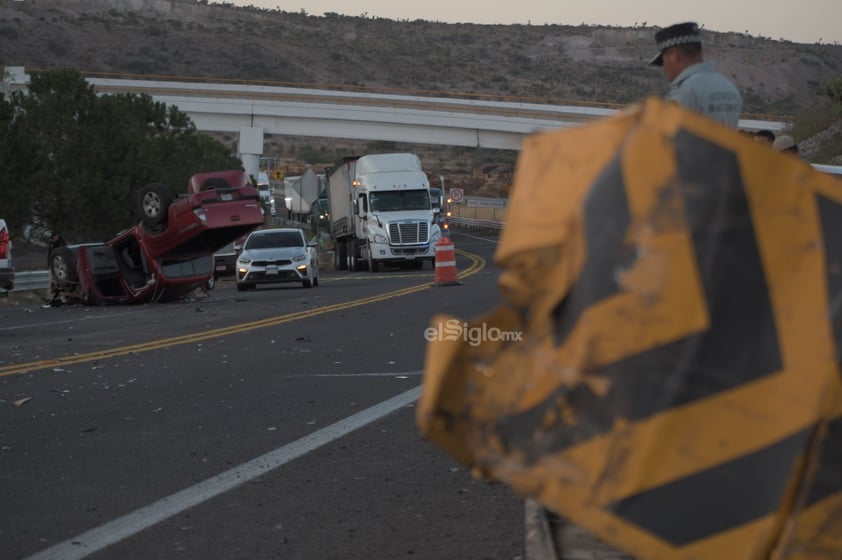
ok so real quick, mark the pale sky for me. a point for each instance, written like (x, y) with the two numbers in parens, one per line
(801, 21)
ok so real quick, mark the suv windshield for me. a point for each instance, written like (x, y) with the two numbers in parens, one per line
(269, 239)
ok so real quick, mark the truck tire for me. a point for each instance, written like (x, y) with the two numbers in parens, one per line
(340, 256)
(63, 267)
(373, 265)
(153, 203)
(351, 254)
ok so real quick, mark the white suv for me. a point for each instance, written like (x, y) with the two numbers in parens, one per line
(272, 256)
(7, 271)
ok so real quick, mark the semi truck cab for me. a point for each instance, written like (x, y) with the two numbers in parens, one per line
(393, 217)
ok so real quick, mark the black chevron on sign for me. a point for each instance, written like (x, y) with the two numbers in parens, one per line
(692, 508)
(606, 223)
(830, 215)
(740, 346)
(742, 343)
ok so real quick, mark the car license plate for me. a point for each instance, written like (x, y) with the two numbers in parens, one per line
(271, 271)
(226, 196)
(220, 267)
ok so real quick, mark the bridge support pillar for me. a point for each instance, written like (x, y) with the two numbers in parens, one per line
(251, 148)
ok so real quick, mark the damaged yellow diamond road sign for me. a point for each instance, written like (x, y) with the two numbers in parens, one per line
(675, 388)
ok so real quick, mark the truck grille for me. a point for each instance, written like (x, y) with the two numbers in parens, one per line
(404, 233)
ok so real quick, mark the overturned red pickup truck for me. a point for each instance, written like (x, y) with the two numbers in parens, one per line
(170, 252)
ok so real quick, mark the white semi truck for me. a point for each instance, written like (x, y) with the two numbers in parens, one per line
(380, 212)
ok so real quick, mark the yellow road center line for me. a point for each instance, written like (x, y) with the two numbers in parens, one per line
(477, 264)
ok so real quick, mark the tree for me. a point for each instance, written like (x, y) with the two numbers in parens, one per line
(16, 192)
(87, 156)
(50, 118)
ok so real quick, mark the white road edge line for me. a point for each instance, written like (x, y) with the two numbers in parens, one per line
(130, 524)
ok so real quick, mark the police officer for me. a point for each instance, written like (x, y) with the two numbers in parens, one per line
(56, 240)
(694, 83)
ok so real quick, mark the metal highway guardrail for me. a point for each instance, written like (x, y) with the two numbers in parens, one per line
(31, 281)
(474, 224)
(35, 280)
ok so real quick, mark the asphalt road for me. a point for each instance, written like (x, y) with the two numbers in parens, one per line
(276, 423)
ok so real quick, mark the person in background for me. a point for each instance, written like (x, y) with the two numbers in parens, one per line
(693, 82)
(764, 137)
(786, 143)
(56, 240)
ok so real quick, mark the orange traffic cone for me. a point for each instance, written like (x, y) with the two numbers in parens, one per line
(446, 274)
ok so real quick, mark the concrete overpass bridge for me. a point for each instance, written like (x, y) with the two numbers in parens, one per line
(253, 110)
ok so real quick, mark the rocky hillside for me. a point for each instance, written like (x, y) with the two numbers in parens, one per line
(557, 62)
(538, 63)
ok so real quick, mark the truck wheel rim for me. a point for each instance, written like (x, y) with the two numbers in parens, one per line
(151, 204)
(60, 268)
